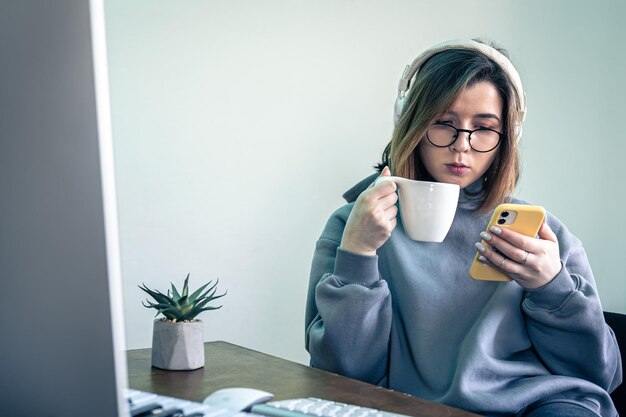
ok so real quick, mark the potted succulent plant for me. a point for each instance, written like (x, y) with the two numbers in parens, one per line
(178, 337)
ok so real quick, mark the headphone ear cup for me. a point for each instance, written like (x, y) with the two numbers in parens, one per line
(398, 109)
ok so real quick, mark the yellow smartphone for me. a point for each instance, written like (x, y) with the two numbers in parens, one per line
(518, 217)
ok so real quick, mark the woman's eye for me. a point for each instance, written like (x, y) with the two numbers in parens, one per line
(445, 122)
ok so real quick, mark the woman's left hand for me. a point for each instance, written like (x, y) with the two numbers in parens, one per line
(531, 262)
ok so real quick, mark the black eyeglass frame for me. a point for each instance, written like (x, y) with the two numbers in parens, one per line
(469, 137)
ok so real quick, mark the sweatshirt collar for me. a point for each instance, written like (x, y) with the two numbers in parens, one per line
(472, 196)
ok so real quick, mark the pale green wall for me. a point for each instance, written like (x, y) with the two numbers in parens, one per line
(238, 125)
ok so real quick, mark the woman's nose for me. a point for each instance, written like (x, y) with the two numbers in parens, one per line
(461, 144)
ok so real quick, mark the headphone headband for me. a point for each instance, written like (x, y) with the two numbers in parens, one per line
(411, 70)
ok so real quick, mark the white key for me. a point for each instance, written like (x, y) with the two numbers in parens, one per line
(143, 400)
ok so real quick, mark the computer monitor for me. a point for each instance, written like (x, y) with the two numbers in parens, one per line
(61, 324)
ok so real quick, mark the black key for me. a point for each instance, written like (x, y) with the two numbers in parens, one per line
(146, 410)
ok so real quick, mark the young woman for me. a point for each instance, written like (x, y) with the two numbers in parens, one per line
(406, 315)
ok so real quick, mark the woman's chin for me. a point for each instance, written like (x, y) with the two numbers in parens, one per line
(461, 181)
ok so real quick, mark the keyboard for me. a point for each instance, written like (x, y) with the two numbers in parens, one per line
(145, 404)
(314, 407)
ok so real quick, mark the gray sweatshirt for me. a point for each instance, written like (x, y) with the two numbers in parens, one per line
(411, 319)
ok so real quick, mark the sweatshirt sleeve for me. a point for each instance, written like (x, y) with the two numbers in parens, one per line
(566, 324)
(348, 317)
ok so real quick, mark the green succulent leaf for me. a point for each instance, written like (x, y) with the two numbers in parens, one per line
(175, 294)
(197, 311)
(158, 296)
(207, 300)
(169, 315)
(172, 313)
(196, 293)
(183, 301)
(159, 306)
(186, 286)
(212, 290)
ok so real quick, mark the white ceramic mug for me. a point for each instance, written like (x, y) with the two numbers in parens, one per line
(427, 208)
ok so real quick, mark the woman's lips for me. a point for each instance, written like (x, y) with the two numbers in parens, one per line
(457, 169)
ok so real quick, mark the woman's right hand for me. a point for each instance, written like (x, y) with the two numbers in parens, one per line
(372, 219)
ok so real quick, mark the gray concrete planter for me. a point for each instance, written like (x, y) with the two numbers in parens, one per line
(177, 346)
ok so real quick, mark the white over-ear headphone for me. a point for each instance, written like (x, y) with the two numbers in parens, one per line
(488, 51)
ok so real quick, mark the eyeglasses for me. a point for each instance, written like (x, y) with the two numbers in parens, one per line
(482, 139)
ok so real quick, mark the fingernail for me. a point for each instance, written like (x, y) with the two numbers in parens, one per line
(479, 247)
(482, 259)
(495, 229)
(485, 236)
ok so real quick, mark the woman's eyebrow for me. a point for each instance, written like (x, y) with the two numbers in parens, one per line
(449, 114)
(487, 116)
(476, 116)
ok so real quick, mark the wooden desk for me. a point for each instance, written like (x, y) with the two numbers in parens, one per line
(228, 365)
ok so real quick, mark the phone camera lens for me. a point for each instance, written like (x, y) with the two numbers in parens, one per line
(504, 214)
(501, 221)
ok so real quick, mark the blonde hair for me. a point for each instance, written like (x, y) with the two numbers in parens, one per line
(434, 90)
